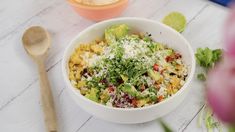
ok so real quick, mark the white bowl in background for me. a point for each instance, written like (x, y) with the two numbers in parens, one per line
(160, 33)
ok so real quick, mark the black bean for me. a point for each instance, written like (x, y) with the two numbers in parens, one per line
(84, 71)
(146, 74)
(172, 74)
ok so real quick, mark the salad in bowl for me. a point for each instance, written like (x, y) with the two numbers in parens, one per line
(128, 70)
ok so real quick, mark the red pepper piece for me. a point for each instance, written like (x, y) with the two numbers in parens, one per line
(134, 102)
(155, 67)
(110, 89)
(169, 58)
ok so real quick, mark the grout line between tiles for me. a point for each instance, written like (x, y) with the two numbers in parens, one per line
(27, 20)
(18, 95)
(199, 12)
(193, 118)
(83, 124)
(28, 87)
(151, 15)
(60, 93)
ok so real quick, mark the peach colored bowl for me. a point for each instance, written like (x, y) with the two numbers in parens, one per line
(99, 12)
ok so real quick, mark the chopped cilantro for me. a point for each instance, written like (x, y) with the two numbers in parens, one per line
(201, 76)
(207, 58)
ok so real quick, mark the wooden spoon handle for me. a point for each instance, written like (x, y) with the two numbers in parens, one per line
(47, 99)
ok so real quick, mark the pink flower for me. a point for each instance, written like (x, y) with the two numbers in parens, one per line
(221, 80)
(221, 90)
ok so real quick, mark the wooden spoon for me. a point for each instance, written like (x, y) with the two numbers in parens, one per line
(36, 41)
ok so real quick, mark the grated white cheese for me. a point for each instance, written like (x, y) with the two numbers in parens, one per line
(90, 60)
(133, 48)
(149, 81)
(162, 91)
(101, 73)
(107, 52)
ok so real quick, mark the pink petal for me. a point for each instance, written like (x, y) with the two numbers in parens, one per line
(221, 91)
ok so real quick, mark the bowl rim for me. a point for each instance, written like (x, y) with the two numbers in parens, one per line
(77, 93)
(97, 7)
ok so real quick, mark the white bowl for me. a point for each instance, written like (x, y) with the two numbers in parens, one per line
(160, 33)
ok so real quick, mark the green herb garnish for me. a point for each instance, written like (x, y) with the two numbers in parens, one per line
(201, 76)
(165, 127)
(207, 58)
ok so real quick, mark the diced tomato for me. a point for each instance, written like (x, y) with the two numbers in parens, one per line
(111, 88)
(169, 58)
(134, 102)
(155, 67)
(160, 98)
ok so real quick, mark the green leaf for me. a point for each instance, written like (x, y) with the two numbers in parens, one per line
(211, 122)
(231, 129)
(201, 77)
(165, 127)
(217, 54)
(207, 58)
(92, 95)
(127, 88)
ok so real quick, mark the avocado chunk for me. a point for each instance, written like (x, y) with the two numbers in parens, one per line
(81, 84)
(155, 46)
(129, 89)
(124, 78)
(159, 46)
(104, 97)
(142, 102)
(154, 75)
(116, 32)
(92, 94)
(169, 52)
